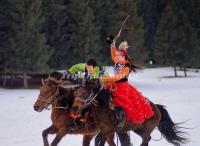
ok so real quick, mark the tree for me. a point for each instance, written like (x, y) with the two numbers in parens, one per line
(6, 32)
(109, 17)
(28, 43)
(132, 31)
(104, 12)
(75, 36)
(174, 38)
(151, 12)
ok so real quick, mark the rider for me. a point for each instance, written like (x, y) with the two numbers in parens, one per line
(125, 96)
(91, 70)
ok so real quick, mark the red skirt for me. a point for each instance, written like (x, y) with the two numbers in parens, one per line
(136, 106)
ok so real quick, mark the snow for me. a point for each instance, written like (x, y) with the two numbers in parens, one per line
(20, 125)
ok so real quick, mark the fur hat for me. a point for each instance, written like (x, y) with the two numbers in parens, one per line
(123, 45)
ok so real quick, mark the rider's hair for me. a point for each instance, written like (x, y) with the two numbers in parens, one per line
(92, 62)
(133, 67)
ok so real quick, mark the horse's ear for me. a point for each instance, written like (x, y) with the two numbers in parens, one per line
(43, 82)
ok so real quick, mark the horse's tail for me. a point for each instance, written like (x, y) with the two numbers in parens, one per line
(171, 131)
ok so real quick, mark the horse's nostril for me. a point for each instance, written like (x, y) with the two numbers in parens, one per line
(36, 108)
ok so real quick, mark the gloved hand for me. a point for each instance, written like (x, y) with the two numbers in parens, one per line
(110, 39)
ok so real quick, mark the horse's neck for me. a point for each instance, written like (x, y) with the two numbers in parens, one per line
(58, 111)
(60, 107)
(96, 110)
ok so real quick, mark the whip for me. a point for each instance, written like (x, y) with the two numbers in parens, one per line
(110, 39)
(122, 26)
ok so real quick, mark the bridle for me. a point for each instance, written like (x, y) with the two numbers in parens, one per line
(89, 100)
(48, 100)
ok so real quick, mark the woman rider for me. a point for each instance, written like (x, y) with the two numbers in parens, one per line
(136, 106)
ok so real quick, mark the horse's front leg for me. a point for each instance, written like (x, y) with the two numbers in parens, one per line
(87, 139)
(51, 130)
(60, 134)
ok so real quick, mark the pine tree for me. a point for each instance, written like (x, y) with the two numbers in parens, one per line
(174, 38)
(78, 37)
(6, 32)
(151, 12)
(28, 43)
(104, 12)
(133, 31)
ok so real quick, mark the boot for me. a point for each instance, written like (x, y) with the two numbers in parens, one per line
(74, 124)
(119, 112)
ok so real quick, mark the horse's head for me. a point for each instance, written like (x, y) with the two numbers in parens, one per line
(48, 92)
(90, 93)
(85, 92)
(82, 96)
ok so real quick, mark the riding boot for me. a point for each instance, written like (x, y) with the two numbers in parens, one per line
(120, 115)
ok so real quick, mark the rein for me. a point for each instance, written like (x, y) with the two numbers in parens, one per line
(89, 100)
(48, 100)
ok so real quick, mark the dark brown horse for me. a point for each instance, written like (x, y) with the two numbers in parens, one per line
(52, 94)
(105, 118)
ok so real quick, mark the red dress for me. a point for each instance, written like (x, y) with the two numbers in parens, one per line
(136, 106)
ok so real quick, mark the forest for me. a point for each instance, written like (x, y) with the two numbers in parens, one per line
(39, 36)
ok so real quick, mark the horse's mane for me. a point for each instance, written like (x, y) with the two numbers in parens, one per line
(66, 97)
(104, 97)
(66, 91)
(56, 75)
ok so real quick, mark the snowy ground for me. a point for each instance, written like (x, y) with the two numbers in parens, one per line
(20, 125)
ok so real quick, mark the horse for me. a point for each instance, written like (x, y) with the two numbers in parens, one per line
(52, 93)
(88, 96)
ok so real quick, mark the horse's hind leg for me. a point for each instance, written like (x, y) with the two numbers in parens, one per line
(50, 130)
(149, 126)
(110, 139)
(60, 134)
(87, 139)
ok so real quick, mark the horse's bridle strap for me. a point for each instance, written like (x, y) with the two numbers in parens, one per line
(49, 99)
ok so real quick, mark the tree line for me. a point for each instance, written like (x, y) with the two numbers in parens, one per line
(38, 36)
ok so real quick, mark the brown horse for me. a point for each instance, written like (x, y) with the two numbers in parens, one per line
(105, 118)
(52, 94)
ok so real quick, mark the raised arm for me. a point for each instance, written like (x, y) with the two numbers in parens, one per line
(114, 52)
(124, 72)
